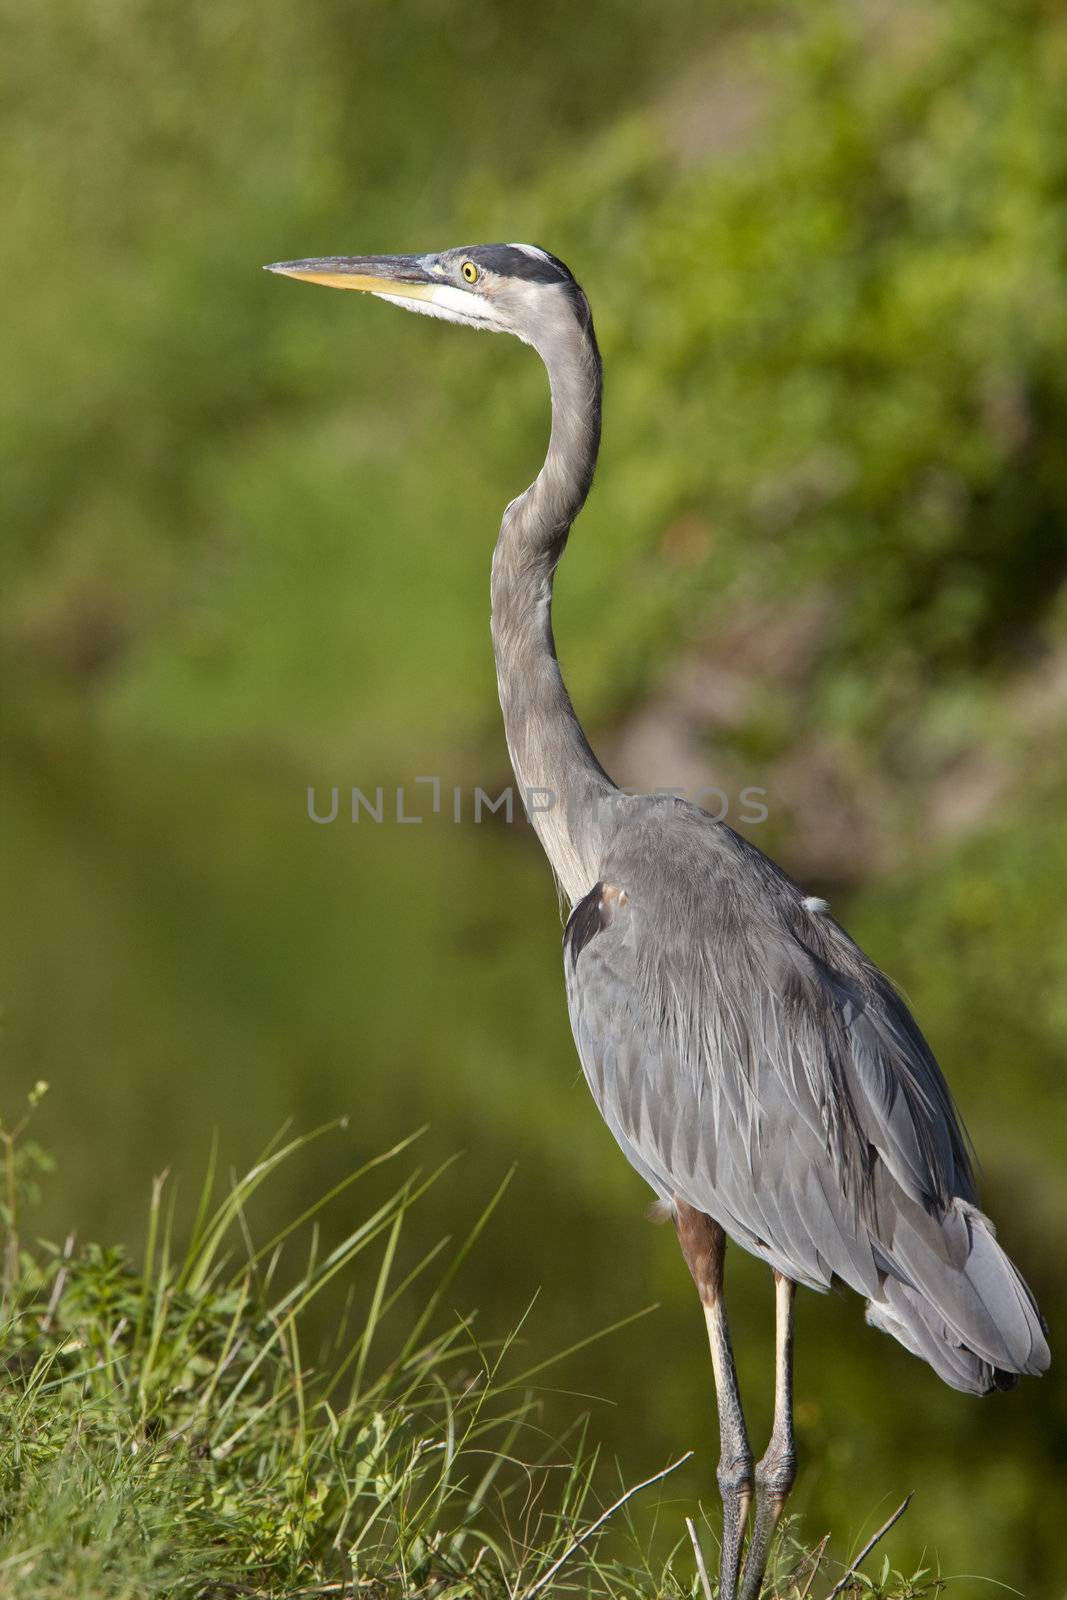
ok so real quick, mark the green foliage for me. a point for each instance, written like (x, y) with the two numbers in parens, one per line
(842, 347)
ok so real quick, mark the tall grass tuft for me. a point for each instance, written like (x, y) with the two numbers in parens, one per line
(165, 1434)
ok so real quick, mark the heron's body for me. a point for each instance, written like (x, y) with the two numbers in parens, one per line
(784, 1089)
(753, 1064)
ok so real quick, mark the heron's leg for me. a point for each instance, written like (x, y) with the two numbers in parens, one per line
(777, 1470)
(704, 1247)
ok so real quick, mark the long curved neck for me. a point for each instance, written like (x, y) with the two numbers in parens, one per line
(563, 785)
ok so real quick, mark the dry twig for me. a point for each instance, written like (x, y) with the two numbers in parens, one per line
(869, 1546)
(818, 1553)
(698, 1552)
(547, 1577)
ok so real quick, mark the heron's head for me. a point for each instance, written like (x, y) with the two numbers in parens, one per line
(506, 288)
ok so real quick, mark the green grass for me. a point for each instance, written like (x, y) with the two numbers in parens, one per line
(166, 1433)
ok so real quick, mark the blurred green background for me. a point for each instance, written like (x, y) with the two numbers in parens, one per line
(247, 530)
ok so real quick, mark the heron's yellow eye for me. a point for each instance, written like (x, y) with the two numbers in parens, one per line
(470, 271)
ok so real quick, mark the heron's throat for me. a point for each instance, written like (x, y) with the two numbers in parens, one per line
(564, 788)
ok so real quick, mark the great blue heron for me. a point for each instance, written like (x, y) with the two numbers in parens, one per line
(753, 1064)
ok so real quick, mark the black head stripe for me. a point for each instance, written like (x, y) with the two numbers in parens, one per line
(511, 262)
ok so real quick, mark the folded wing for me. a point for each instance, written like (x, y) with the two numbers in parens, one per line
(749, 1059)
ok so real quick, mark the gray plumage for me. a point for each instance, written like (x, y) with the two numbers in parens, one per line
(756, 1068)
(749, 1058)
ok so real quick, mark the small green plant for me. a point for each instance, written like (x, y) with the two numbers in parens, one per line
(21, 1161)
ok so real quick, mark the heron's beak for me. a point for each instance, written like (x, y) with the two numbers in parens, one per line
(399, 276)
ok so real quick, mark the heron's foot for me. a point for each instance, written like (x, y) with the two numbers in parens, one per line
(735, 1490)
(775, 1476)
